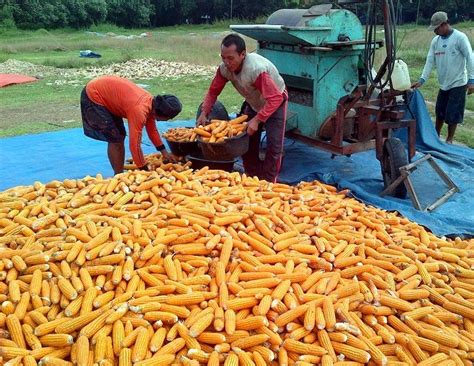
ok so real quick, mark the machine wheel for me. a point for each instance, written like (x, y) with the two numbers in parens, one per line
(394, 157)
(218, 111)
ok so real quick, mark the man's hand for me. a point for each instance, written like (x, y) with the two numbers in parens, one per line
(169, 157)
(252, 127)
(144, 167)
(470, 89)
(202, 120)
(416, 85)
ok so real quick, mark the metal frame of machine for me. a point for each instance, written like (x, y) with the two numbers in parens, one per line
(368, 135)
(405, 179)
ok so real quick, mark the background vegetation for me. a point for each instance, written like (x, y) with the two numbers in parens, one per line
(48, 105)
(34, 14)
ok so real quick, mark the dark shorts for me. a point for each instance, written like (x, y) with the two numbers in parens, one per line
(450, 105)
(99, 123)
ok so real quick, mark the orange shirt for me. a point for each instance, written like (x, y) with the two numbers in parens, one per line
(127, 100)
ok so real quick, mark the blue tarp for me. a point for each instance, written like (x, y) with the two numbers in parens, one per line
(69, 154)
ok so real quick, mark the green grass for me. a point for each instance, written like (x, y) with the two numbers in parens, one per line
(39, 107)
(44, 106)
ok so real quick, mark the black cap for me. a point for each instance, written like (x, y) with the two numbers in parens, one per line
(166, 106)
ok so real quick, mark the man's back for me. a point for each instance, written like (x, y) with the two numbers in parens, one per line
(120, 96)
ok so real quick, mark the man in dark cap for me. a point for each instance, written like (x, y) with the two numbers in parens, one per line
(108, 99)
(451, 53)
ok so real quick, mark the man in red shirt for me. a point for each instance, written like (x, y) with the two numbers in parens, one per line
(108, 99)
(259, 82)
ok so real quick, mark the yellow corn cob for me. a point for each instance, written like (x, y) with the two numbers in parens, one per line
(67, 289)
(91, 328)
(172, 347)
(291, 315)
(440, 337)
(45, 221)
(213, 359)
(68, 326)
(183, 332)
(12, 352)
(211, 338)
(396, 303)
(22, 305)
(351, 353)
(157, 340)
(201, 325)
(303, 348)
(141, 345)
(56, 340)
(185, 299)
(374, 352)
(219, 319)
(250, 341)
(131, 337)
(329, 313)
(252, 322)
(231, 360)
(14, 327)
(82, 351)
(230, 321)
(32, 341)
(100, 347)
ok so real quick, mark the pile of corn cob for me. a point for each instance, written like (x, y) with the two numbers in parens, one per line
(218, 131)
(186, 267)
(215, 132)
(147, 69)
(181, 134)
(156, 160)
(143, 69)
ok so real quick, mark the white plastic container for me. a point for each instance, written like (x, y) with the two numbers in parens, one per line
(400, 76)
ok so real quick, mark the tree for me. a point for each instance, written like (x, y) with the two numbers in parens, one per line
(97, 11)
(129, 13)
(165, 12)
(29, 14)
(6, 14)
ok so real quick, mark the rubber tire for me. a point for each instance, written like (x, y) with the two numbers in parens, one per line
(218, 111)
(394, 157)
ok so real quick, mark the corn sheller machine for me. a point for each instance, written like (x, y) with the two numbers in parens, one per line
(337, 101)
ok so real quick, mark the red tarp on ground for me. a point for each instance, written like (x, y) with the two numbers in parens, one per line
(10, 79)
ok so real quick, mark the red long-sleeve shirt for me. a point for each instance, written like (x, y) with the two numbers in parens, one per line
(127, 100)
(256, 77)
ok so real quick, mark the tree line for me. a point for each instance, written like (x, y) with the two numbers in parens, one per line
(50, 14)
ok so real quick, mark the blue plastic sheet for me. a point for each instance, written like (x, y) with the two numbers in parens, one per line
(69, 154)
(361, 174)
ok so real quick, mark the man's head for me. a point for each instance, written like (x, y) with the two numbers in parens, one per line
(439, 23)
(166, 107)
(233, 52)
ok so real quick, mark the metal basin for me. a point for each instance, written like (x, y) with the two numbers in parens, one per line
(230, 149)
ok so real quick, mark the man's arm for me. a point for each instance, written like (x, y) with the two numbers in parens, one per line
(270, 92)
(153, 134)
(155, 138)
(135, 131)
(273, 99)
(217, 85)
(430, 61)
(466, 50)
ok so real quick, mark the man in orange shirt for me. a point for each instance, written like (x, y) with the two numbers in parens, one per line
(108, 99)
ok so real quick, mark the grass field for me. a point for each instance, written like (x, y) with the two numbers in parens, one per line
(49, 104)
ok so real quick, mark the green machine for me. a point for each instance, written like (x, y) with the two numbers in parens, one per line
(318, 53)
(337, 102)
